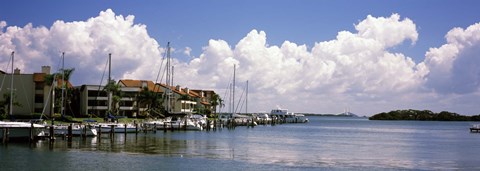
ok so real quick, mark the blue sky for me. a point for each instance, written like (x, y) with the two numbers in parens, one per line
(193, 23)
(339, 67)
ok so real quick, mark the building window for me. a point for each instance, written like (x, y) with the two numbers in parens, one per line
(39, 86)
(38, 98)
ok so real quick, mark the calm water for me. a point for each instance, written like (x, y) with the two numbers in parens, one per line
(326, 143)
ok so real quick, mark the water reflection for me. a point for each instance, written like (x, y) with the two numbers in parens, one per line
(343, 144)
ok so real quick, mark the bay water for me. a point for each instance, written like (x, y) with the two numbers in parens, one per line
(325, 143)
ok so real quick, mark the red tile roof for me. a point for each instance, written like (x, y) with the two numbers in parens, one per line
(139, 84)
(39, 77)
(60, 82)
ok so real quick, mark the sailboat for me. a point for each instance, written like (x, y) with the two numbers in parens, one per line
(77, 130)
(18, 130)
(187, 122)
(117, 127)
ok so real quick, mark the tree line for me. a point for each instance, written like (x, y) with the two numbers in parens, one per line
(423, 115)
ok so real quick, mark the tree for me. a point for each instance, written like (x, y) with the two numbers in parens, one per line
(5, 104)
(62, 78)
(151, 100)
(216, 101)
(114, 88)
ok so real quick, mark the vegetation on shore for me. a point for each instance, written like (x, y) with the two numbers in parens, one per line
(423, 115)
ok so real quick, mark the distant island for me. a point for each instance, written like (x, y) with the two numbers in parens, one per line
(423, 115)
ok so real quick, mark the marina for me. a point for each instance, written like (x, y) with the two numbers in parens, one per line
(30, 131)
(239, 85)
(325, 143)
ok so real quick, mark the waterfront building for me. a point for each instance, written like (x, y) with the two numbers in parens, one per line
(30, 91)
(33, 93)
(132, 90)
(94, 98)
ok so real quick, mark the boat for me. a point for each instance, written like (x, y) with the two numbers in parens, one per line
(154, 124)
(77, 130)
(475, 128)
(21, 130)
(117, 128)
(181, 123)
(263, 117)
(288, 116)
(18, 130)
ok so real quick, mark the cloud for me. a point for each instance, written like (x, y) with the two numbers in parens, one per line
(355, 70)
(388, 31)
(455, 66)
(187, 51)
(86, 45)
(352, 67)
(3, 24)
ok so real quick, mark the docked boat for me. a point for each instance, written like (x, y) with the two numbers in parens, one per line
(156, 124)
(77, 130)
(288, 116)
(118, 128)
(21, 130)
(16, 130)
(187, 122)
(184, 123)
(244, 120)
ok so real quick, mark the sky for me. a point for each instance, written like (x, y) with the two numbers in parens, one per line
(306, 56)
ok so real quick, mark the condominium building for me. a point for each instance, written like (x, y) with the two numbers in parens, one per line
(34, 95)
(31, 92)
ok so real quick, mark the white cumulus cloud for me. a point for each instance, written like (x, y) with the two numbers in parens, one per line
(355, 70)
(354, 65)
(86, 45)
(455, 66)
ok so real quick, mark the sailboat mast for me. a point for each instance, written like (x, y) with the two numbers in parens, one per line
(246, 100)
(230, 98)
(167, 81)
(63, 84)
(233, 89)
(11, 87)
(109, 82)
(173, 69)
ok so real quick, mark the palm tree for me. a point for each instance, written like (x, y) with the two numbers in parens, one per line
(151, 100)
(50, 79)
(114, 88)
(215, 101)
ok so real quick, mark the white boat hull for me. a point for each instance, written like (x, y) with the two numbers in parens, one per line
(118, 128)
(77, 130)
(18, 130)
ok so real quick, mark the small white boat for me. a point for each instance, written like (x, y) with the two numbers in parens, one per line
(190, 122)
(264, 117)
(156, 124)
(77, 130)
(21, 129)
(118, 128)
(288, 116)
(300, 118)
(184, 123)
